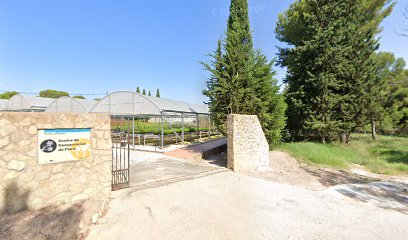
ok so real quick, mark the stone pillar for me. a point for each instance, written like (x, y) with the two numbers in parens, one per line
(248, 149)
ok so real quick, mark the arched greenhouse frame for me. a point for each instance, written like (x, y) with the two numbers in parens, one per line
(173, 115)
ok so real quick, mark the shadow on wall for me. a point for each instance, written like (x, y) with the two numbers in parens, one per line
(17, 221)
(15, 199)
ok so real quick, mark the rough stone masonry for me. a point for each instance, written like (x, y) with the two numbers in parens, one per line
(26, 184)
(248, 149)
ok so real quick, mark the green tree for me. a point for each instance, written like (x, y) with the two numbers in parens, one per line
(328, 57)
(53, 94)
(8, 95)
(138, 90)
(241, 79)
(149, 94)
(158, 93)
(399, 109)
(394, 92)
(144, 92)
(217, 89)
(79, 97)
(266, 101)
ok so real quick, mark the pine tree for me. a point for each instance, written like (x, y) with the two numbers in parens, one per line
(53, 94)
(361, 80)
(388, 99)
(7, 95)
(329, 63)
(144, 92)
(266, 101)
(158, 93)
(241, 79)
(149, 94)
(138, 90)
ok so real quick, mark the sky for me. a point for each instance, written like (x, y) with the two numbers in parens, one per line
(95, 46)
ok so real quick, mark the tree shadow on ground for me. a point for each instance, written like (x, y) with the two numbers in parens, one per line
(393, 156)
(392, 151)
(387, 195)
(18, 222)
(330, 178)
(384, 194)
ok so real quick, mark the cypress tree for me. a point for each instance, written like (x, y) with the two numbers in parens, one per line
(138, 90)
(158, 93)
(149, 94)
(144, 92)
(241, 79)
(238, 57)
(217, 89)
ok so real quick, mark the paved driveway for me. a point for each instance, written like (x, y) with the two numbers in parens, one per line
(232, 206)
(162, 169)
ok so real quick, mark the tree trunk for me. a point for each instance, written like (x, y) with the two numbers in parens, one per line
(323, 139)
(373, 133)
(343, 138)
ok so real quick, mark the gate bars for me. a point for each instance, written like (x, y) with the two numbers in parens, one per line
(120, 155)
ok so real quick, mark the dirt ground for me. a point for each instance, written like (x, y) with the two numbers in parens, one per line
(388, 192)
(47, 223)
(286, 169)
(65, 222)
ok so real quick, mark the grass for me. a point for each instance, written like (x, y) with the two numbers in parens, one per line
(387, 155)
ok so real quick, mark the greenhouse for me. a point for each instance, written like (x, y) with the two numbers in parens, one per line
(24, 103)
(155, 118)
(3, 104)
(132, 103)
(148, 119)
(71, 105)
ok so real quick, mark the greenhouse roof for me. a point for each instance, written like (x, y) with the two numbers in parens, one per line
(73, 105)
(132, 103)
(20, 102)
(3, 104)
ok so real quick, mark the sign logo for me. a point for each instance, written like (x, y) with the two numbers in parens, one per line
(82, 149)
(48, 146)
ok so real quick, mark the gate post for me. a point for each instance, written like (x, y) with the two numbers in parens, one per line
(162, 130)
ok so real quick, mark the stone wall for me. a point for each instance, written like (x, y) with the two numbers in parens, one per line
(248, 149)
(26, 184)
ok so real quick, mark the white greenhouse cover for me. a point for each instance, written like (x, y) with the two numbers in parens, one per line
(72, 105)
(132, 103)
(20, 102)
(3, 104)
